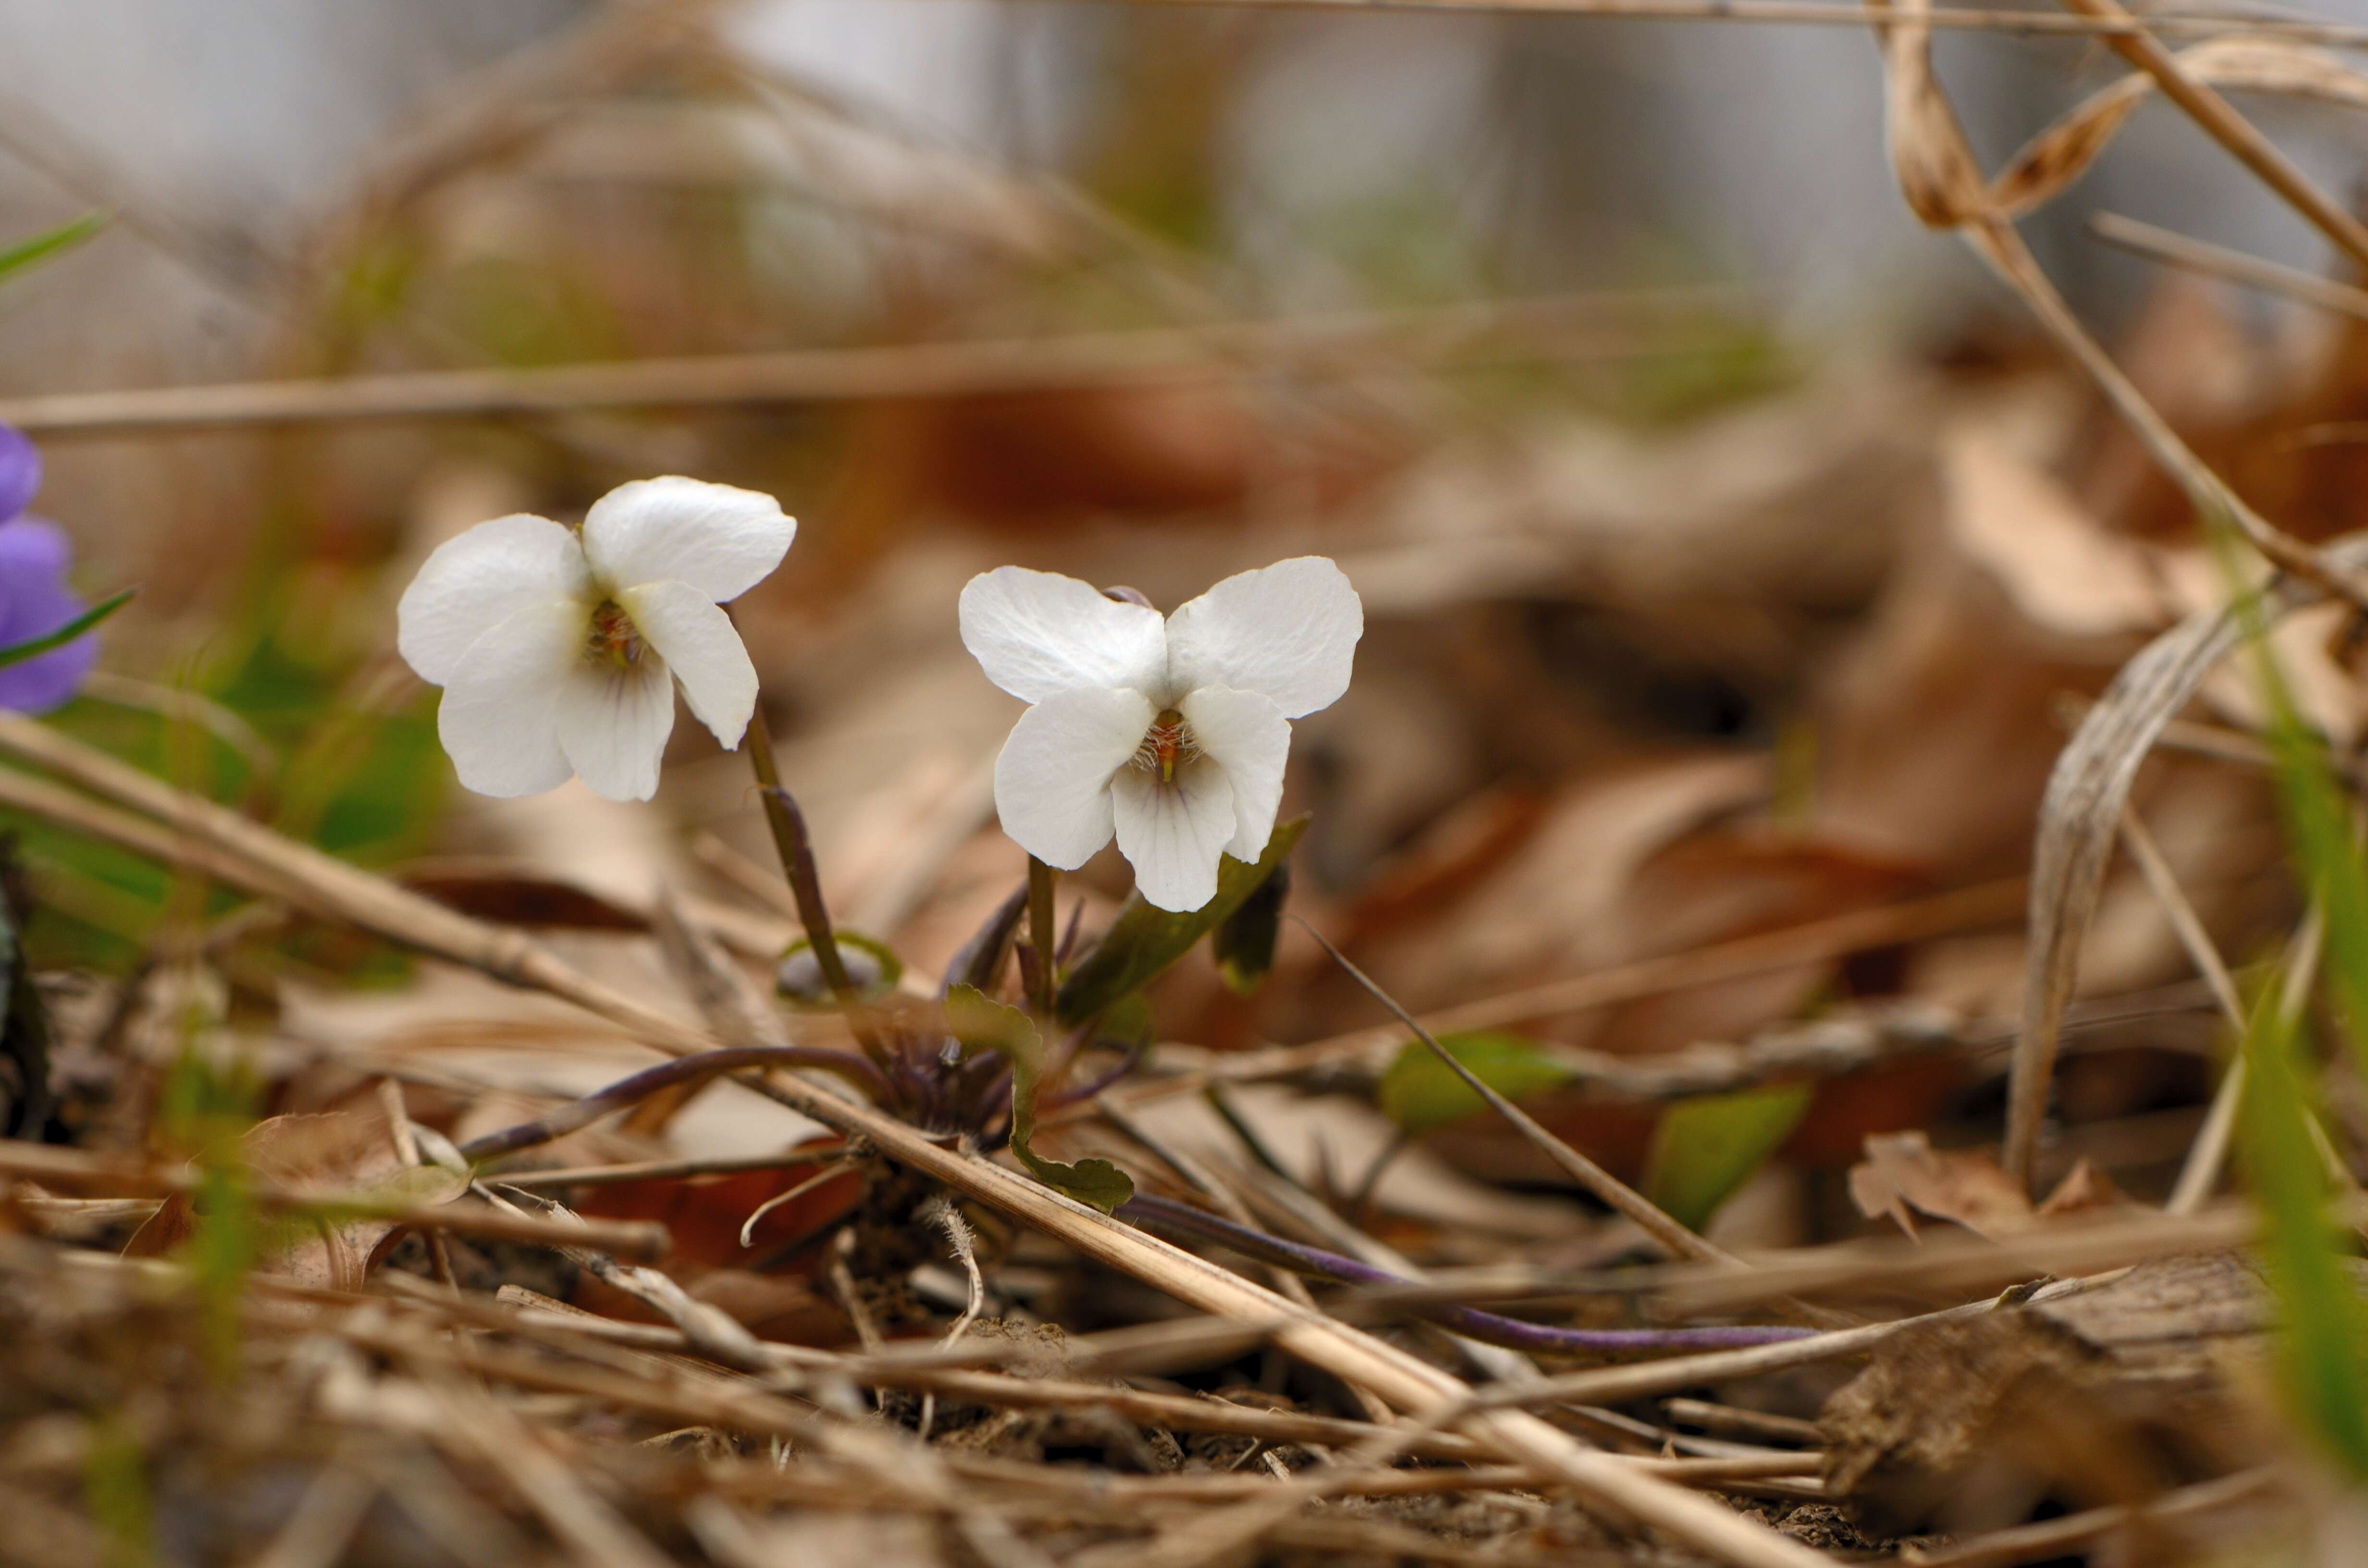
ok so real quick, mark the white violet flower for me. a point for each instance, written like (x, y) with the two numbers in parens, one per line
(1168, 732)
(558, 650)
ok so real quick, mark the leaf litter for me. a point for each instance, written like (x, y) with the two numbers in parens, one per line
(263, 1301)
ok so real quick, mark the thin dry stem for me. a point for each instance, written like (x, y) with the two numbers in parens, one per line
(1647, 1216)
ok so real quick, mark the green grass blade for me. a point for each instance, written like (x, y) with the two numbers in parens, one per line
(2322, 1359)
(41, 246)
(34, 647)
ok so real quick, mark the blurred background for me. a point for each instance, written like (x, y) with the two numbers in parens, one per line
(1733, 554)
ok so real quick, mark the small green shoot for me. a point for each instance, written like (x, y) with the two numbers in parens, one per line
(1420, 1092)
(1705, 1147)
(982, 1023)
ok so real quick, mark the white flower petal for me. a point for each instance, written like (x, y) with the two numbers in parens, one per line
(701, 647)
(1247, 736)
(1173, 833)
(476, 580)
(613, 723)
(499, 717)
(720, 540)
(1038, 632)
(1288, 630)
(1052, 783)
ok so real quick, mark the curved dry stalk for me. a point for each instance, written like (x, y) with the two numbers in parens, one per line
(2231, 130)
(2079, 815)
(2235, 266)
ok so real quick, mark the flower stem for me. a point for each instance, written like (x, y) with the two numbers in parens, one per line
(1040, 936)
(795, 848)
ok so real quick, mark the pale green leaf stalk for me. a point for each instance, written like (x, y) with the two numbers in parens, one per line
(982, 1023)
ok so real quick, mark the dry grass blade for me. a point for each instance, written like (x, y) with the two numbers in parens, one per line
(2231, 130)
(1813, 14)
(2091, 781)
(2078, 819)
(1955, 1266)
(1316, 345)
(1350, 1353)
(1623, 1198)
(2218, 261)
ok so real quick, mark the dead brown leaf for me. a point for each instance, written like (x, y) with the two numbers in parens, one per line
(346, 1155)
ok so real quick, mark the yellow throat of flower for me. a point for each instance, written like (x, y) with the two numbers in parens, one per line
(1166, 744)
(613, 636)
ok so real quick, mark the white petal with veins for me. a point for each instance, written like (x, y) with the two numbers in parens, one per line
(498, 719)
(1288, 632)
(720, 540)
(613, 723)
(1172, 833)
(699, 643)
(475, 580)
(1036, 634)
(1247, 737)
(1052, 780)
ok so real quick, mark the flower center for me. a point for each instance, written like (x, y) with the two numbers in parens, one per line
(612, 635)
(1168, 742)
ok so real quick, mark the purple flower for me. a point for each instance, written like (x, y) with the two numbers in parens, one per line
(34, 598)
(20, 471)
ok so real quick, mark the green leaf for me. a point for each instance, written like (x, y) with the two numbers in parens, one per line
(1705, 1147)
(1143, 941)
(1420, 1092)
(34, 647)
(41, 246)
(2322, 1356)
(2317, 814)
(1243, 943)
(981, 1022)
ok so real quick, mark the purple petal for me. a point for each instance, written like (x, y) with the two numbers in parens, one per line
(34, 599)
(20, 471)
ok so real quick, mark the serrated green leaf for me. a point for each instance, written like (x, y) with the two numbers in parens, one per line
(979, 1021)
(1704, 1148)
(1420, 1092)
(41, 246)
(1243, 944)
(34, 647)
(1143, 941)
